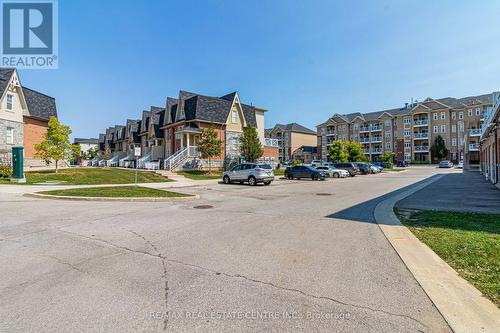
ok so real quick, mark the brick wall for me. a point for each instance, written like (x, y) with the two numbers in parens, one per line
(34, 132)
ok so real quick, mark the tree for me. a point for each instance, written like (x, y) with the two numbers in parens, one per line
(76, 152)
(56, 145)
(209, 146)
(387, 157)
(355, 152)
(337, 152)
(251, 148)
(438, 149)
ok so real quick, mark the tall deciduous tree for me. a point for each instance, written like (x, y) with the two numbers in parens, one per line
(337, 152)
(251, 148)
(209, 145)
(438, 149)
(56, 145)
(355, 152)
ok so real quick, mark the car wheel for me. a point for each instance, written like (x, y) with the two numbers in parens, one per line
(314, 177)
(336, 175)
(252, 181)
(267, 183)
(226, 180)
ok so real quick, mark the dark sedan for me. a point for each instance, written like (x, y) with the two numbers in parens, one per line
(303, 171)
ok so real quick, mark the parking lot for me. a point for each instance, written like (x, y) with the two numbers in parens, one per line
(295, 255)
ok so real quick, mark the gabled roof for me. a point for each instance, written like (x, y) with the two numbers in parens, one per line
(5, 75)
(475, 100)
(451, 102)
(156, 120)
(308, 149)
(119, 133)
(39, 105)
(133, 128)
(145, 121)
(170, 107)
(294, 127)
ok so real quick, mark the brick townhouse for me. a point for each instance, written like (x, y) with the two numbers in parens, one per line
(490, 142)
(24, 116)
(409, 131)
(293, 140)
(168, 135)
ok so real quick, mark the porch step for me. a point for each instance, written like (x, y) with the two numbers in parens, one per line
(171, 175)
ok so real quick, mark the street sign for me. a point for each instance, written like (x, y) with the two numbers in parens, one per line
(137, 151)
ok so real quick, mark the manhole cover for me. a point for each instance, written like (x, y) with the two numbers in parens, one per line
(325, 194)
(203, 207)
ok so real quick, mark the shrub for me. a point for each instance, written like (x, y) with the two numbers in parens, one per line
(5, 171)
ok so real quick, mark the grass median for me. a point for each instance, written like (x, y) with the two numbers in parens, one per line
(116, 192)
(468, 242)
(201, 175)
(91, 176)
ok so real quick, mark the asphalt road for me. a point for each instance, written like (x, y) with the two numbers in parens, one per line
(293, 256)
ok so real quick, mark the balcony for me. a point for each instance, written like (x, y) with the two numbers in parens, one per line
(330, 132)
(271, 142)
(474, 147)
(474, 132)
(367, 151)
(364, 140)
(364, 129)
(421, 135)
(376, 139)
(421, 122)
(376, 128)
(421, 149)
(377, 150)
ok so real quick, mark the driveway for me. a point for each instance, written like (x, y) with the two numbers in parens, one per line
(293, 256)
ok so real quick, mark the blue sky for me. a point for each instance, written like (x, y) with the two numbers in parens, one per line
(302, 60)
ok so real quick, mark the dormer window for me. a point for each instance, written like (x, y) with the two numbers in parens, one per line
(10, 99)
(234, 117)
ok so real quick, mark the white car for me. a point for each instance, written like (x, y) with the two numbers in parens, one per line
(333, 172)
(460, 165)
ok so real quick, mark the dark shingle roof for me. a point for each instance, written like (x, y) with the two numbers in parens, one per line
(451, 102)
(5, 74)
(133, 128)
(294, 127)
(474, 100)
(40, 105)
(145, 121)
(169, 110)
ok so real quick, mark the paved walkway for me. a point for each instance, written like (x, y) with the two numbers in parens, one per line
(467, 191)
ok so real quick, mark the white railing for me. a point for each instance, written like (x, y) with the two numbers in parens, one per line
(376, 128)
(376, 139)
(176, 159)
(328, 133)
(474, 132)
(113, 161)
(271, 142)
(473, 147)
(420, 122)
(152, 165)
(422, 148)
(422, 135)
(141, 163)
(364, 129)
(376, 150)
(123, 161)
(364, 140)
(367, 151)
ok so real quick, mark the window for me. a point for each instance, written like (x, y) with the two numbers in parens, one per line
(343, 137)
(344, 127)
(9, 136)
(462, 141)
(388, 145)
(9, 102)
(356, 126)
(387, 134)
(443, 115)
(435, 129)
(478, 111)
(453, 128)
(355, 138)
(407, 157)
(406, 120)
(234, 116)
(435, 116)
(443, 128)
(469, 113)
(407, 132)
(461, 126)
(407, 144)
(460, 115)
(453, 115)
(387, 122)
(454, 142)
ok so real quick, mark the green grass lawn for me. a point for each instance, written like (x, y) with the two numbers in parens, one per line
(201, 175)
(279, 172)
(468, 242)
(91, 176)
(116, 192)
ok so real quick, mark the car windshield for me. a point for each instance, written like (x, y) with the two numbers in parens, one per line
(265, 166)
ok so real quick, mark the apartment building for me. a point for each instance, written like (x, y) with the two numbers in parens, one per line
(168, 135)
(289, 138)
(24, 117)
(490, 142)
(410, 131)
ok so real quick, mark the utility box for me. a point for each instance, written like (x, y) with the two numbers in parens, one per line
(17, 165)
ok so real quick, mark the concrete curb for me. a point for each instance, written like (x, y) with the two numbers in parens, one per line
(462, 305)
(136, 199)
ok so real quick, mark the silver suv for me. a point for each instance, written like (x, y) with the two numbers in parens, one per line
(252, 173)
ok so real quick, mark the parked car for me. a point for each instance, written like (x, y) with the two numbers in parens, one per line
(375, 168)
(401, 164)
(364, 168)
(333, 172)
(252, 173)
(317, 163)
(349, 167)
(460, 165)
(304, 171)
(379, 164)
(445, 164)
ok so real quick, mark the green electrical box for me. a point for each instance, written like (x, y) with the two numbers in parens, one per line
(17, 165)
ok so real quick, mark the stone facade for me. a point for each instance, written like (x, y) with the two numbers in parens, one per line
(6, 148)
(232, 147)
